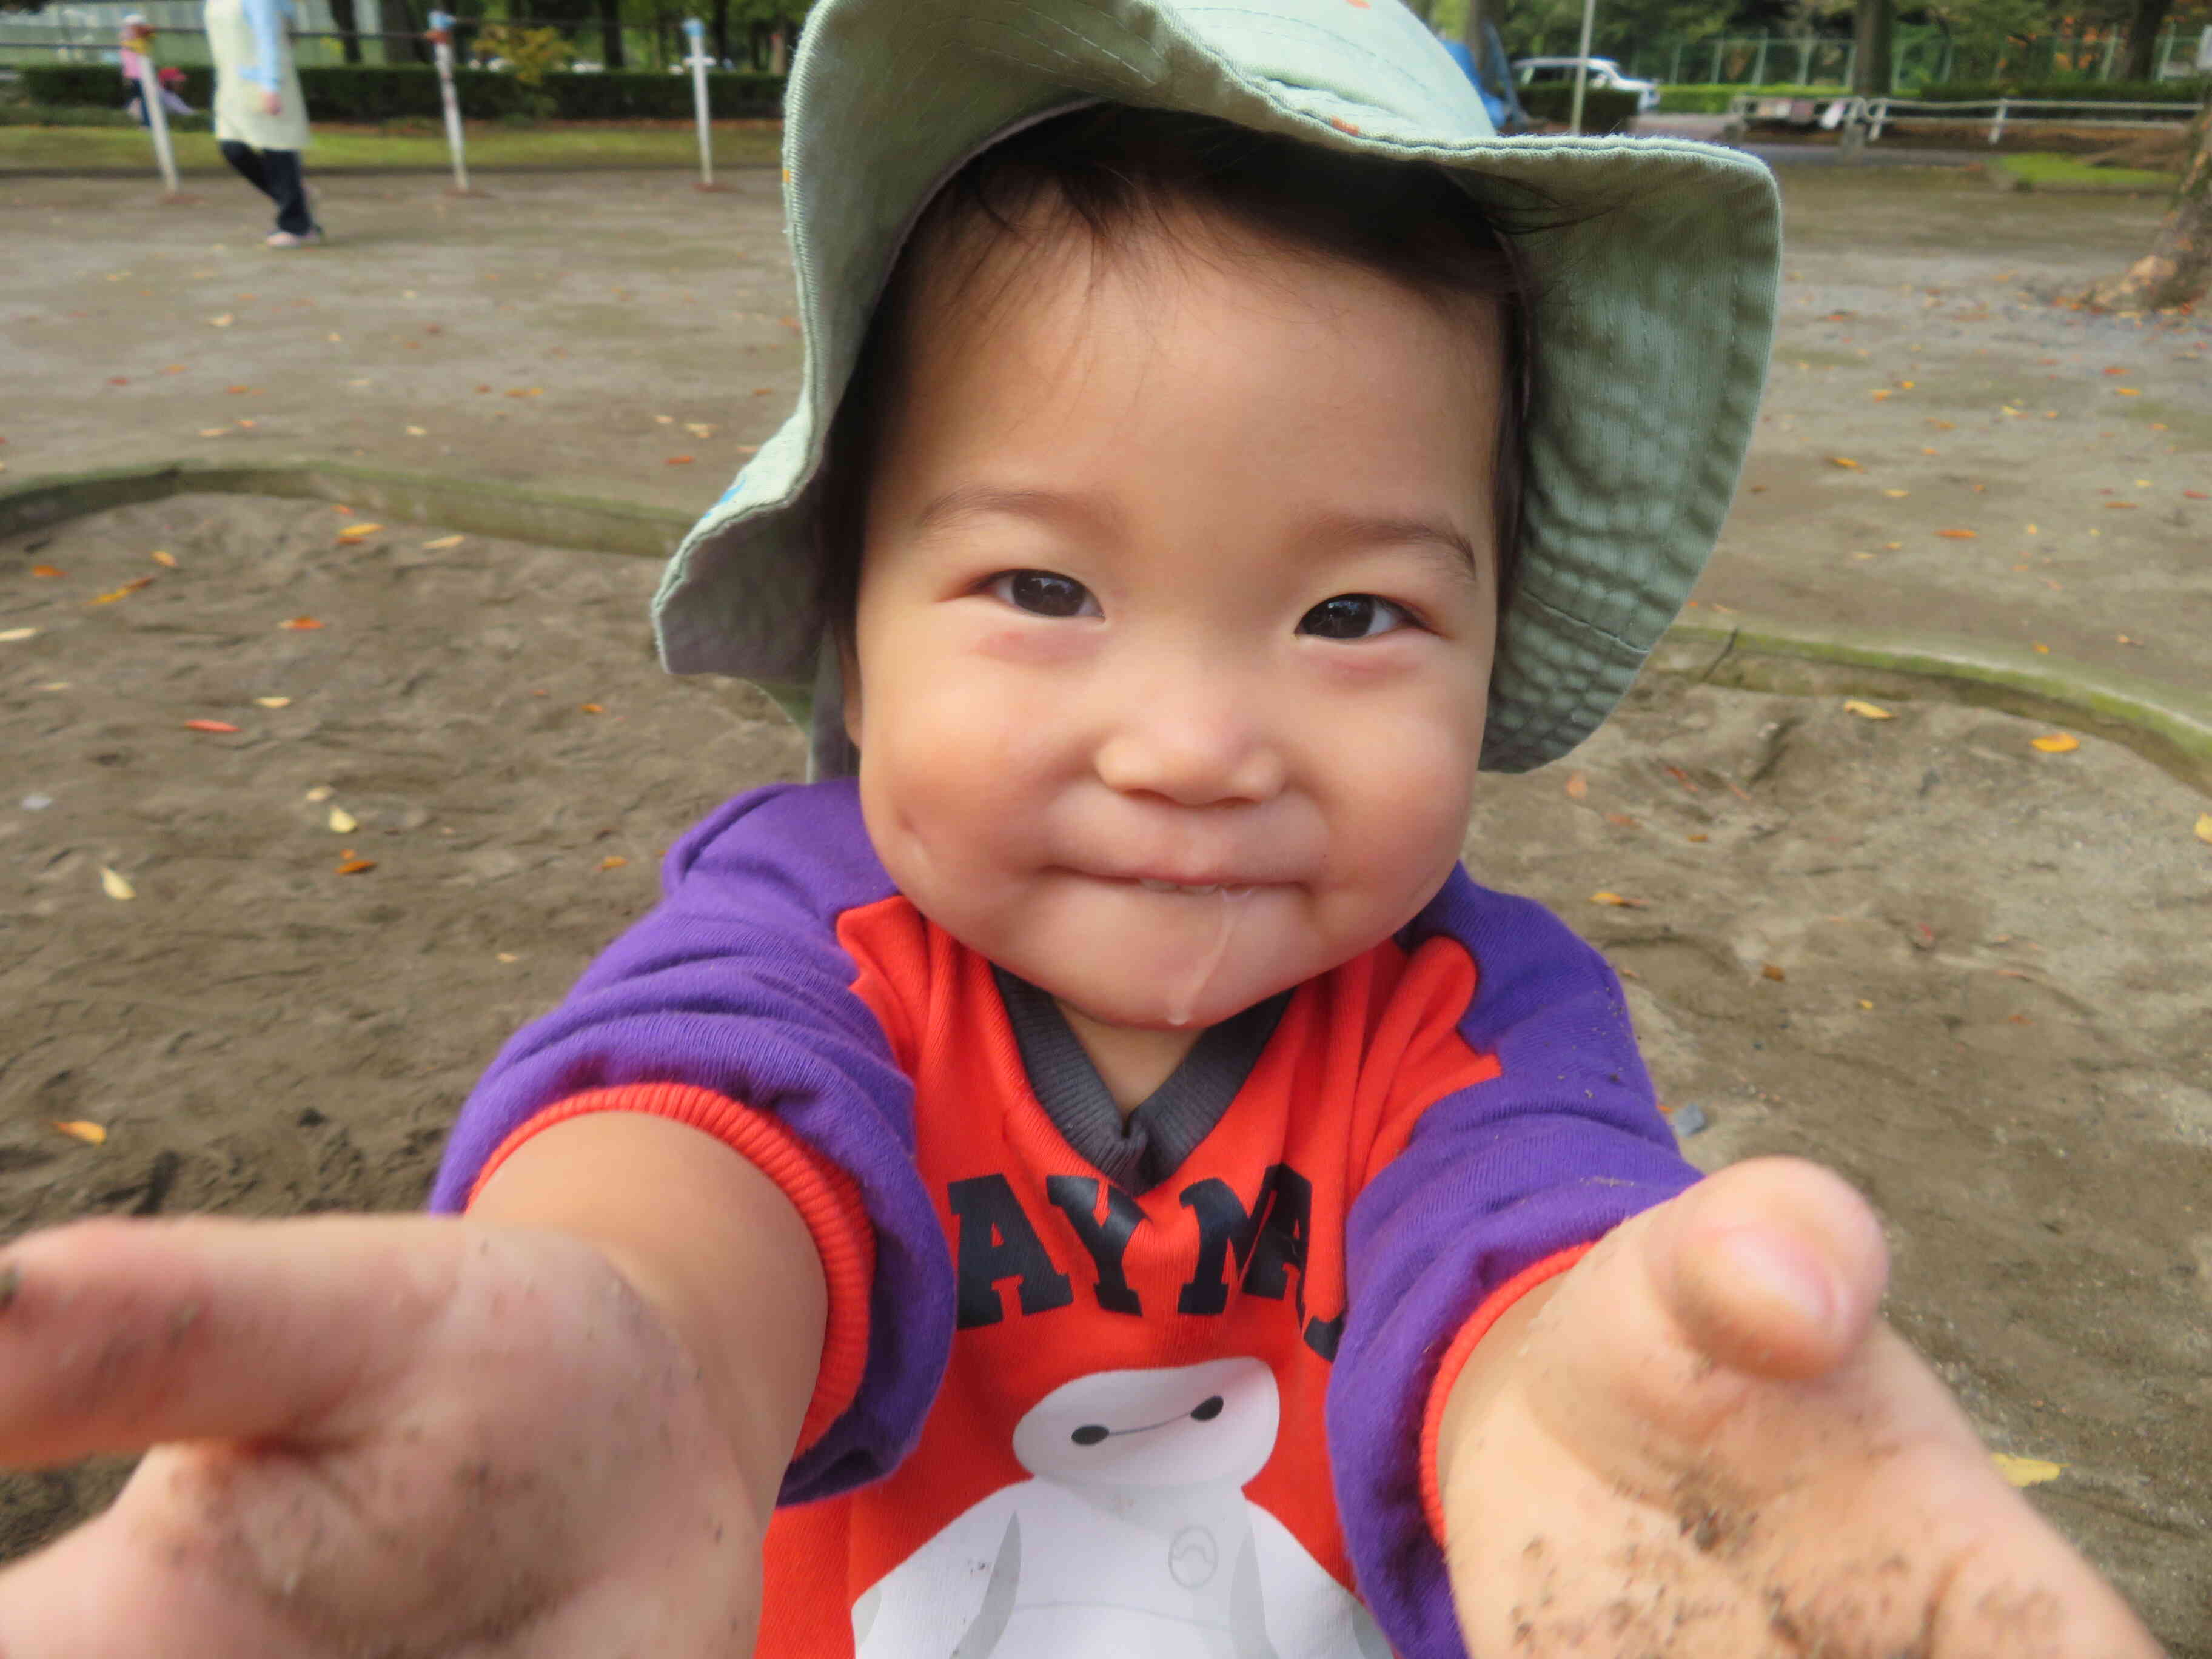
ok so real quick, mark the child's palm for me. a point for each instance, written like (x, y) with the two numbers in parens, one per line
(398, 1436)
(1696, 1466)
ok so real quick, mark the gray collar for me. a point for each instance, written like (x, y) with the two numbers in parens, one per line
(1139, 1151)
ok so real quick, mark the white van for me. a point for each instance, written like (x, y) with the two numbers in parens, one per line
(1603, 72)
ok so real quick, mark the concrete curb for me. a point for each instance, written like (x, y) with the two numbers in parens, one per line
(2167, 724)
(513, 511)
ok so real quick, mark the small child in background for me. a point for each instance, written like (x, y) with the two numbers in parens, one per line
(1091, 1174)
(137, 32)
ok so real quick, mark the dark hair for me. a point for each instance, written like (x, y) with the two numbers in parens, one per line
(1107, 167)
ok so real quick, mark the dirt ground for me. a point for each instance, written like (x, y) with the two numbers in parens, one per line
(2027, 1097)
(573, 332)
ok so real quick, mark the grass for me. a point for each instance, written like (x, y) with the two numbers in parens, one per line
(491, 147)
(2040, 170)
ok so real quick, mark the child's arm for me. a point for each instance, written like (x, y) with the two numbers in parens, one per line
(1703, 1437)
(554, 1428)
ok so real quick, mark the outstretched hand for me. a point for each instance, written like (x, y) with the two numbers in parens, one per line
(400, 1435)
(1708, 1443)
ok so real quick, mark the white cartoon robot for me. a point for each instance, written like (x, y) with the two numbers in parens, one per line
(1134, 1536)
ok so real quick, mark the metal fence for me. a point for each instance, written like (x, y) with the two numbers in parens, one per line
(1917, 58)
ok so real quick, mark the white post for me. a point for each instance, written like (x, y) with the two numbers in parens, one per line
(2112, 46)
(441, 43)
(697, 31)
(1582, 66)
(1996, 127)
(157, 116)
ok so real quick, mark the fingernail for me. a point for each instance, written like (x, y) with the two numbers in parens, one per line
(1778, 1271)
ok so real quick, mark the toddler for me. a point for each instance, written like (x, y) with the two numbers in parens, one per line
(1090, 1174)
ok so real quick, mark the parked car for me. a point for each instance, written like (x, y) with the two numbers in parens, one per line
(1603, 72)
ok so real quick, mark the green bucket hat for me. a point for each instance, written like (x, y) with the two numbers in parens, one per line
(1653, 291)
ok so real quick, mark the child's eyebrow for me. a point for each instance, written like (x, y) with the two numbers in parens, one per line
(1096, 516)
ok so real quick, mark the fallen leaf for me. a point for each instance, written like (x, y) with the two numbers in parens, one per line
(2058, 742)
(1892, 547)
(2043, 650)
(2112, 506)
(123, 591)
(343, 821)
(2204, 827)
(2129, 391)
(118, 380)
(1896, 494)
(321, 792)
(210, 726)
(443, 542)
(747, 449)
(1602, 898)
(236, 389)
(1577, 786)
(354, 532)
(679, 461)
(418, 432)
(215, 432)
(591, 708)
(114, 885)
(2197, 495)
(79, 1129)
(1682, 778)
(1864, 1003)
(2026, 1471)
(699, 429)
(167, 560)
(1867, 710)
(9, 636)
(357, 866)
(1621, 820)
(1842, 460)
(274, 702)
(613, 861)
(223, 321)
(1700, 835)
(248, 425)
(300, 622)
(509, 956)
(1960, 535)
(44, 570)
(1879, 397)
(664, 420)
(1772, 971)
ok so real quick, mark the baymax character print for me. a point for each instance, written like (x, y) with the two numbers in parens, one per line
(1133, 1535)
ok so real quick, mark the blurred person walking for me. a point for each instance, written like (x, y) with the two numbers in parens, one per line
(260, 114)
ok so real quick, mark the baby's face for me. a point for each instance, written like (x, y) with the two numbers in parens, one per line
(1175, 622)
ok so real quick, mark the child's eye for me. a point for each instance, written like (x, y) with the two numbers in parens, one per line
(1043, 594)
(1354, 617)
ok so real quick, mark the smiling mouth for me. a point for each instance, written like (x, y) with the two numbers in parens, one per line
(1152, 886)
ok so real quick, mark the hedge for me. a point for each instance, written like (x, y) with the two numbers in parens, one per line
(2183, 92)
(1714, 99)
(1605, 109)
(383, 92)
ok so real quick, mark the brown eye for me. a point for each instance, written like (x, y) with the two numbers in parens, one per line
(1042, 593)
(1353, 616)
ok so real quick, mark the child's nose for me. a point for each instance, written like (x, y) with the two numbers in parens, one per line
(1192, 748)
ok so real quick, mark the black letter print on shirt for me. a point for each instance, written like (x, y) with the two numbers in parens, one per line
(996, 1243)
(1266, 1242)
(1077, 1196)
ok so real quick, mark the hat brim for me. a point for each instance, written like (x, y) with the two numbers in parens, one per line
(1653, 265)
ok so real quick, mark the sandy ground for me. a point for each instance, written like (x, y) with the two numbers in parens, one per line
(2026, 1098)
(611, 301)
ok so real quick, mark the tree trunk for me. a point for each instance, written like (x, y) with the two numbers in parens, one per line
(342, 15)
(1871, 30)
(1471, 33)
(722, 33)
(2178, 269)
(2142, 38)
(610, 33)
